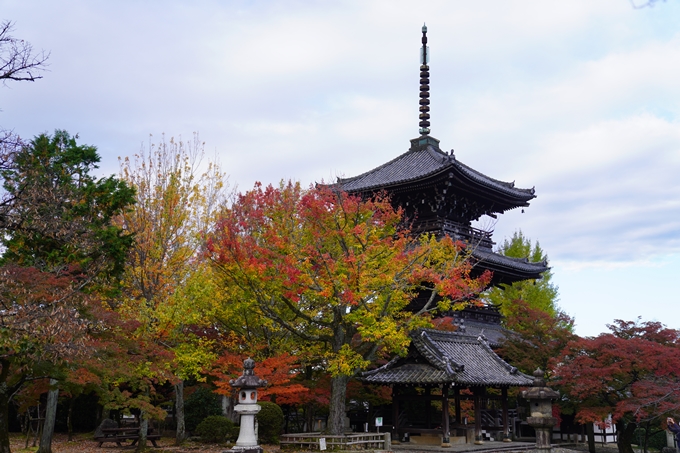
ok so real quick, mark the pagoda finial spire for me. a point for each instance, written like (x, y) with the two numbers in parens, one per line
(424, 86)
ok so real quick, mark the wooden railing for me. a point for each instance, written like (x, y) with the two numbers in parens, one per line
(470, 235)
(355, 441)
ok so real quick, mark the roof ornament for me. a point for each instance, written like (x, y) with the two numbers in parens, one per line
(461, 325)
(424, 86)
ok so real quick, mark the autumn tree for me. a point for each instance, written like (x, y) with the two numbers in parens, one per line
(176, 197)
(535, 338)
(59, 248)
(279, 372)
(238, 331)
(632, 373)
(336, 272)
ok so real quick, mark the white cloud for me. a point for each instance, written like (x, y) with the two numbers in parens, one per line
(578, 98)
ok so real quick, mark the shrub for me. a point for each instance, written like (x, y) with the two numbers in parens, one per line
(199, 405)
(656, 441)
(215, 428)
(269, 423)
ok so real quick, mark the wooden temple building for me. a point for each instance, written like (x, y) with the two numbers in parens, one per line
(449, 377)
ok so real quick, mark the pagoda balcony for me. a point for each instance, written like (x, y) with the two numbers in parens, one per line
(456, 231)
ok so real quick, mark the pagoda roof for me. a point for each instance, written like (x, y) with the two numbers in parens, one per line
(442, 357)
(509, 269)
(422, 163)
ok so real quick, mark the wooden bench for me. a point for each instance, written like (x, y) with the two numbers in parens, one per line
(125, 437)
(118, 436)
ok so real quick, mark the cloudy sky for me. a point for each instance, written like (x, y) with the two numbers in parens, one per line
(578, 98)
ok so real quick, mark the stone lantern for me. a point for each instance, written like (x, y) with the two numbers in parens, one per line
(247, 407)
(541, 419)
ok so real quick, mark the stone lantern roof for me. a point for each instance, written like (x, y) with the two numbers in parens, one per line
(539, 391)
(248, 379)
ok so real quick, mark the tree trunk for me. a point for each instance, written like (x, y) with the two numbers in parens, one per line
(181, 433)
(336, 417)
(69, 418)
(4, 418)
(590, 430)
(644, 444)
(5, 394)
(50, 418)
(143, 427)
(624, 438)
(143, 430)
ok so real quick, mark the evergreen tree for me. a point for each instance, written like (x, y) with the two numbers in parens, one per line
(539, 294)
(58, 246)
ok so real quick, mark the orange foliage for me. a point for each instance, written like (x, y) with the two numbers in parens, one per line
(278, 371)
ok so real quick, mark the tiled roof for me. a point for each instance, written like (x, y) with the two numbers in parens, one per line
(417, 164)
(409, 373)
(494, 333)
(451, 357)
(521, 264)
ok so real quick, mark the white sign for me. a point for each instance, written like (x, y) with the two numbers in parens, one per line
(378, 421)
(322, 443)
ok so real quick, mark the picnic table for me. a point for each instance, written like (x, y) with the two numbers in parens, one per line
(124, 434)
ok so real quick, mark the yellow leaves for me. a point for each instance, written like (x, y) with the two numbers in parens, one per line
(175, 205)
(388, 332)
(345, 362)
(193, 357)
(168, 290)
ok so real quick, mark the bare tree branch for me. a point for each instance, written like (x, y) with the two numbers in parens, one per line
(18, 61)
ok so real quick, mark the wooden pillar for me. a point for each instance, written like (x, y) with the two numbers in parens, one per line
(504, 402)
(395, 415)
(428, 408)
(456, 395)
(478, 415)
(446, 427)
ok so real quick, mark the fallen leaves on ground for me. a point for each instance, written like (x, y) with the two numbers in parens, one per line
(83, 443)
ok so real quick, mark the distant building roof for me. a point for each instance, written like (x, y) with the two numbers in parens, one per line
(493, 333)
(440, 357)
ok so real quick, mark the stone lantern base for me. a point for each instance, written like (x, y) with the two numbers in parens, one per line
(235, 449)
(544, 429)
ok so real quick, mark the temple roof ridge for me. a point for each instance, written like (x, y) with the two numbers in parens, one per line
(521, 263)
(420, 163)
(432, 354)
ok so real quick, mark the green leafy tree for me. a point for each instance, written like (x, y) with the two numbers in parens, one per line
(199, 405)
(59, 247)
(539, 294)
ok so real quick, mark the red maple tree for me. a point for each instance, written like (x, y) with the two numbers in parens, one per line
(632, 373)
(536, 337)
